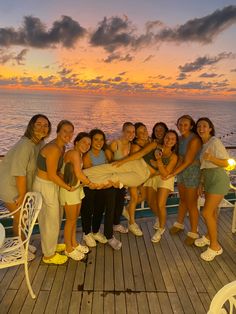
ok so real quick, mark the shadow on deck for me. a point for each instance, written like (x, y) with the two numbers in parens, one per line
(142, 277)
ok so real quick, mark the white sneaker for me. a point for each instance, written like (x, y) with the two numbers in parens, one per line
(114, 243)
(99, 237)
(134, 228)
(75, 255)
(32, 248)
(120, 228)
(157, 236)
(82, 248)
(89, 240)
(31, 256)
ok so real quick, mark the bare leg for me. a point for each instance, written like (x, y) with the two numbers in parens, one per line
(162, 195)
(182, 210)
(132, 204)
(151, 196)
(209, 213)
(71, 217)
(191, 198)
(74, 239)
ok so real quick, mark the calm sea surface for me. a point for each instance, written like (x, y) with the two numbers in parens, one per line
(107, 113)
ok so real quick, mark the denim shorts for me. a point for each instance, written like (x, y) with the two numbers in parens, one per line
(190, 177)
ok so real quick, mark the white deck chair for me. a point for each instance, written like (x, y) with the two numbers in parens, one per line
(15, 250)
(225, 294)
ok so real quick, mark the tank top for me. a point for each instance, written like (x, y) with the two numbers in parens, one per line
(151, 156)
(183, 144)
(119, 153)
(98, 160)
(41, 163)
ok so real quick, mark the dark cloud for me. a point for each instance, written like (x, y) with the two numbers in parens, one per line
(148, 58)
(182, 76)
(64, 72)
(208, 75)
(117, 57)
(233, 70)
(33, 33)
(20, 58)
(122, 73)
(6, 56)
(199, 85)
(203, 29)
(201, 62)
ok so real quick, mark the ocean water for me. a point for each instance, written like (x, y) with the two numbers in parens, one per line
(107, 113)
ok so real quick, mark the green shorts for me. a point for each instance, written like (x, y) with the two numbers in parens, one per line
(190, 177)
(216, 181)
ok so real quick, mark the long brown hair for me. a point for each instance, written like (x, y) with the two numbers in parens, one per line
(29, 132)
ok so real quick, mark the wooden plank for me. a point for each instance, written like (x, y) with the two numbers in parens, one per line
(180, 288)
(175, 303)
(120, 304)
(6, 281)
(142, 303)
(97, 306)
(153, 302)
(39, 277)
(147, 273)
(7, 301)
(3, 273)
(131, 303)
(118, 268)
(109, 269)
(79, 276)
(128, 269)
(75, 302)
(136, 265)
(99, 268)
(49, 278)
(155, 268)
(89, 271)
(41, 302)
(109, 303)
(169, 284)
(165, 303)
(56, 290)
(86, 303)
(206, 301)
(184, 274)
(66, 292)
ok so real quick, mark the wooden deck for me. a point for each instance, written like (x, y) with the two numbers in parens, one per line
(142, 277)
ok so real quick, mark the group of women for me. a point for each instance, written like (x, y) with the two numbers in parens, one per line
(92, 177)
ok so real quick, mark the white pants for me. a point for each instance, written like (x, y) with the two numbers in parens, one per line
(50, 215)
(132, 173)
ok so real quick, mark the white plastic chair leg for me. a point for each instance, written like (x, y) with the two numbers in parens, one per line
(28, 281)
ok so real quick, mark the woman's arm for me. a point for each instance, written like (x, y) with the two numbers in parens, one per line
(165, 170)
(144, 151)
(216, 161)
(52, 156)
(87, 163)
(193, 148)
(76, 162)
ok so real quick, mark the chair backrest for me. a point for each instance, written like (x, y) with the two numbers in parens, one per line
(30, 209)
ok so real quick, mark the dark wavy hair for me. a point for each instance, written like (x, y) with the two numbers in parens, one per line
(94, 132)
(126, 124)
(162, 124)
(210, 123)
(80, 136)
(29, 132)
(176, 146)
(192, 122)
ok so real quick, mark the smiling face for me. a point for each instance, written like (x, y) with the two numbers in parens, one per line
(83, 145)
(184, 126)
(204, 130)
(65, 133)
(170, 139)
(129, 133)
(98, 142)
(142, 133)
(159, 132)
(41, 128)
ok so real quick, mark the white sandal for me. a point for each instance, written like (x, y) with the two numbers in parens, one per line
(210, 254)
(200, 242)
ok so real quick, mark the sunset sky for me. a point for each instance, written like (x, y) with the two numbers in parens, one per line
(163, 48)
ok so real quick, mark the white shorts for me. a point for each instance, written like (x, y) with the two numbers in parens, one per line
(157, 182)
